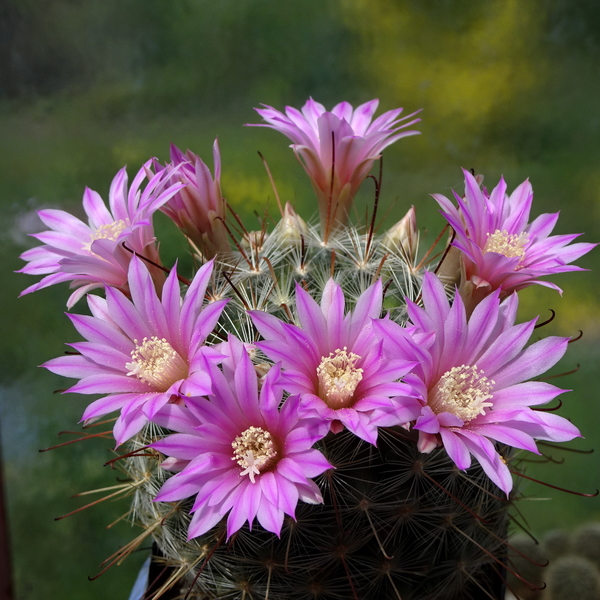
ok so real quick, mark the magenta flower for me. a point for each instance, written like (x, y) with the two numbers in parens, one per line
(144, 352)
(198, 209)
(472, 380)
(92, 256)
(337, 149)
(239, 453)
(500, 249)
(338, 365)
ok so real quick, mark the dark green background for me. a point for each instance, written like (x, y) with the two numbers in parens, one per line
(507, 86)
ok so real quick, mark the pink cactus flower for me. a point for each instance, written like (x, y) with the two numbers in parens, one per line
(337, 149)
(145, 352)
(473, 379)
(500, 248)
(241, 451)
(94, 255)
(198, 209)
(338, 365)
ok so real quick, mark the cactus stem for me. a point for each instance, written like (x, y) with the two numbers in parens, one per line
(545, 460)
(394, 586)
(154, 264)
(120, 486)
(486, 592)
(547, 320)
(270, 569)
(208, 557)
(575, 450)
(505, 582)
(338, 517)
(430, 250)
(505, 542)
(497, 560)
(117, 493)
(234, 239)
(343, 559)
(380, 266)
(97, 423)
(480, 487)
(236, 291)
(171, 581)
(451, 495)
(264, 162)
(118, 519)
(364, 506)
(127, 549)
(552, 408)
(332, 264)
(577, 337)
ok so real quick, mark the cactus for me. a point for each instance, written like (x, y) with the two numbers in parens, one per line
(395, 523)
(573, 577)
(430, 532)
(285, 449)
(528, 560)
(556, 543)
(586, 543)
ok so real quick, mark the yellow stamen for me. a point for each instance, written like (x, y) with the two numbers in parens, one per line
(339, 378)
(462, 391)
(253, 450)
(106, 232)
(157, 363)
(510, 245)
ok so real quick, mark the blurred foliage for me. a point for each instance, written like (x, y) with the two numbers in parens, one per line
(507, 86)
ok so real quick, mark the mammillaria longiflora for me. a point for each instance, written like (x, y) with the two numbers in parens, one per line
(300, 424)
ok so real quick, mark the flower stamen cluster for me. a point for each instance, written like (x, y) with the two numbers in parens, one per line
(338, 377)
(462, 391)
(511, 245)
(111, 232)
(156, 362)
(253, 450)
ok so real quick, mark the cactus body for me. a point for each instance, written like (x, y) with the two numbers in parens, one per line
(395, 523)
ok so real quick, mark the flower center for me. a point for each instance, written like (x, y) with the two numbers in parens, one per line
(462, 391)
(157, 363)
(338, 377)
(254, 451)
(510, 245)
(106, 232)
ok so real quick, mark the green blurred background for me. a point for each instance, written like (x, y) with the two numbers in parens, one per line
(507, 86)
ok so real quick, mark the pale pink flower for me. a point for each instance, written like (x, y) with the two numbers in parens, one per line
(337, 149)
(143, 353)
(500, 249)
(198, 209)
(241, 452)
(94, 255)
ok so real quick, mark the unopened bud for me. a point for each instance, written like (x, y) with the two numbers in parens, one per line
(403, 237)
(254, 240)
(292, 227)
